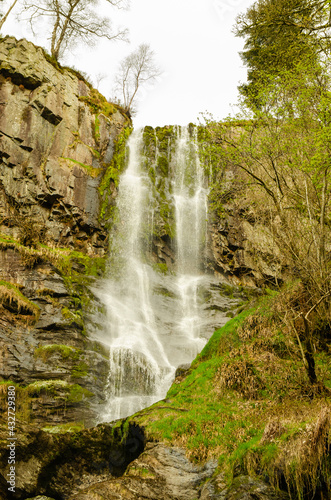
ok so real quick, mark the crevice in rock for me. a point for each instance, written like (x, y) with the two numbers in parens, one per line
(48, 115)
(26, 148)
(29, 83)
(16, 140)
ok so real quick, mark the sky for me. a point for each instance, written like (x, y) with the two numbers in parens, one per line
(193, 45)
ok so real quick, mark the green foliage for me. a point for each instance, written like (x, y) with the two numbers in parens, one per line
(278, 34)
(282, 158)
(98, 103)
(112, 173)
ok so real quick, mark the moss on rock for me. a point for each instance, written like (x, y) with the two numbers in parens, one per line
(12, 299)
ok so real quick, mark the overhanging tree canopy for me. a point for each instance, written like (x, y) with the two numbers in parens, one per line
(281, 33)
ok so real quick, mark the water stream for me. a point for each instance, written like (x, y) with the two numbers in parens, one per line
(154, 322)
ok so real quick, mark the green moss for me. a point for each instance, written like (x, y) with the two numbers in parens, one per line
(152, 175)
(142, 472)
(163, 165)
(112, 174)
(159, 144)
(64, 428)
(98, 103)
(78, 394)
(164, 135)
(80, 370)
(46, 351)
(22, 400)
(77, 140)
(93, 172)
(72, 316)
(50, 387)
(160, 267)
(97, 129)
(72, 393)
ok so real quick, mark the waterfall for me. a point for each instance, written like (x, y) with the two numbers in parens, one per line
(190, 198)
(154, 321)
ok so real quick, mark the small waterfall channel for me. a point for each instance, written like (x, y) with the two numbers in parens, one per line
(154, 321)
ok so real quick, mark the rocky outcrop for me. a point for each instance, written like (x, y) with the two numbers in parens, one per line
(58, 136)
(243, 250)
(56, 139)
(56, 465)
(161, 472)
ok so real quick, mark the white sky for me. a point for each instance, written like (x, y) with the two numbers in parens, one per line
(193, 45)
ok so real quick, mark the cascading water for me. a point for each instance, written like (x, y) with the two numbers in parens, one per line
(149, 334)
(190, 198)
(139, 368)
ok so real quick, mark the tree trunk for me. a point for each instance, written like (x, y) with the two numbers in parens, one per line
(309, 354)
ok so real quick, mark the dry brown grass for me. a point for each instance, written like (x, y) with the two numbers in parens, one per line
(241, 376)
(15, 302)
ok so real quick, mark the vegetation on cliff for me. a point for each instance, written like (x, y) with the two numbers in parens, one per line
(247, 401)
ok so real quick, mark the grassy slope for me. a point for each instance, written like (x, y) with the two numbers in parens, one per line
(247, 401)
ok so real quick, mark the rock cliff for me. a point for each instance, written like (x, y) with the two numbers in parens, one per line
(57, 141)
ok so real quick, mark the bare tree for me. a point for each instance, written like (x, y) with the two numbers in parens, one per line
(73, 20)
(4, 17)
(99, 78)
(135, 70)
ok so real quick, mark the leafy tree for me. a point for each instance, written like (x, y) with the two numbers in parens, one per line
(280, 33)
(135, 70)
(285, 153)
(73, 20)
(3, 17)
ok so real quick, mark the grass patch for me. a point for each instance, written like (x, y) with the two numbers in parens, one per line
(247, 401)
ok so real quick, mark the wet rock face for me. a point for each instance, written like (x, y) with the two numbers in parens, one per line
(53, 149)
